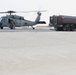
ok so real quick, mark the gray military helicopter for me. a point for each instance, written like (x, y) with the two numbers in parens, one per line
(13, 21)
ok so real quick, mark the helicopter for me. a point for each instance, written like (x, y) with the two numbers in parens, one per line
(13, 21)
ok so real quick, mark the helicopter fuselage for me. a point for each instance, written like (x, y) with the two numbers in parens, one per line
(18, 21)
(13, 21)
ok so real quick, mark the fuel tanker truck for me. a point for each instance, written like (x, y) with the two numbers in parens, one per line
(63, 23)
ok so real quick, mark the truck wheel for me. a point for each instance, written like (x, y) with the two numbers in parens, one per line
(56, 28)
(72, 28)
(66, 28)
(59, 28)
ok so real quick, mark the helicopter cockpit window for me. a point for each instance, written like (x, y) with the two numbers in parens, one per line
(0, 19)
(21, 18)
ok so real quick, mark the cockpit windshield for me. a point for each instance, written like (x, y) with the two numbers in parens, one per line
(0, 19)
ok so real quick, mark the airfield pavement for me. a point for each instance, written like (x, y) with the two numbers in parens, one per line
(37, 52)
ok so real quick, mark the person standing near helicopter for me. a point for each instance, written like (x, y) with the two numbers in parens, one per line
(12, 23)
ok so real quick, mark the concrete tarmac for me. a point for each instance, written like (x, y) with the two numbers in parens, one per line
(37, 52)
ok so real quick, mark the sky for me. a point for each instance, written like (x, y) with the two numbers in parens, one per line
(53, 7)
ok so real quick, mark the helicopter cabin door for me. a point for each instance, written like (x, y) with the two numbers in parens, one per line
(21, 21)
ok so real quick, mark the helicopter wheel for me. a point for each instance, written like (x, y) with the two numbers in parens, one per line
(32, 27)
(2, 27)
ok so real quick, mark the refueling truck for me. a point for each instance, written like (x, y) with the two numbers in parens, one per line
(63, 23)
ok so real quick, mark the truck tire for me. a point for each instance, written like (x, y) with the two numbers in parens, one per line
(59, 28)
(66, 27)
(56, 28)
(72, 27)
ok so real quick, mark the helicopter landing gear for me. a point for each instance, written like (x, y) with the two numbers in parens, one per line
(1, 27)
(32, 27)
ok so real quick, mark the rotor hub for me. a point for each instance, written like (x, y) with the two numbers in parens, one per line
(39, 13)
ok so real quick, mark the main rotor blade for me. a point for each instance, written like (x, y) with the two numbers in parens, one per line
(10, 11)
(30, 11)
(2, 12)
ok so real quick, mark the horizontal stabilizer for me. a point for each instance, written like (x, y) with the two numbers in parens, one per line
(41, 22)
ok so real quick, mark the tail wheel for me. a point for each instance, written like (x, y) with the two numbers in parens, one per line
(32, 27)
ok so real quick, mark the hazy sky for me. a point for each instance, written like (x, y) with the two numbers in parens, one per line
(53, 7)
